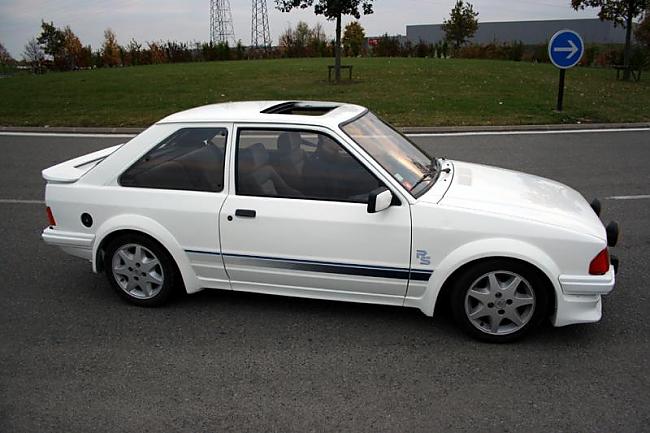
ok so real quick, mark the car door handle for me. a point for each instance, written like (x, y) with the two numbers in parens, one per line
(246, 213)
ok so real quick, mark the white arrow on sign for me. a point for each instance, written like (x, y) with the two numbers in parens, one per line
(572, 50)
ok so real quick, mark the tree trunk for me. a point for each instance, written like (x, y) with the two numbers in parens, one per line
(337, 50)
(628, 41)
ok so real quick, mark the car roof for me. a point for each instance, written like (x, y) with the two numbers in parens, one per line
(318, 112)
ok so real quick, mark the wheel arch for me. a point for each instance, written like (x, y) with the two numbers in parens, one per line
(471, 253)
(448, 284)
(124, 224)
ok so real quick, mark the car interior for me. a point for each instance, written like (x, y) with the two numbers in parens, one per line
(191, 159)
(293, 165)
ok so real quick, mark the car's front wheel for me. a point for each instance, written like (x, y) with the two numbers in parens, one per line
(140, 270)
(499, 300)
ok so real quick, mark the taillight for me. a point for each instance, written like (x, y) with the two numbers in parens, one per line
(600, 264)
(50, 217)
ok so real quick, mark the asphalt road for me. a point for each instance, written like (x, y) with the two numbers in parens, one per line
(75, 358)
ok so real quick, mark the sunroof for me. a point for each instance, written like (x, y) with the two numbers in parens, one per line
(300, 108)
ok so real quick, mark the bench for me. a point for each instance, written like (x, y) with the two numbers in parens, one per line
(634, 71)
(330, 68)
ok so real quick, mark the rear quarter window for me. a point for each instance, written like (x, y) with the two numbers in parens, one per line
(190, 159)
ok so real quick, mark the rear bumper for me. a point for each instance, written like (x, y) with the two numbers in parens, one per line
(76, 244)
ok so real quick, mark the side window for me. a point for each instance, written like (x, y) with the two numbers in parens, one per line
(299, 164)
(189, 159)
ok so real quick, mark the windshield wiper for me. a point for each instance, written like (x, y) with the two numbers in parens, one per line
(432, 172)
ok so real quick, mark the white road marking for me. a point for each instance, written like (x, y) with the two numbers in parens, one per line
(64, 134)
(629, 197)
(19, 201)
(556, 131)
(423, 134)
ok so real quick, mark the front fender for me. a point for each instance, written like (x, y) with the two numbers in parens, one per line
(481, 249)
(154, 229)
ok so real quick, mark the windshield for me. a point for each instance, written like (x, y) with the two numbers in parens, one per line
(402, 159)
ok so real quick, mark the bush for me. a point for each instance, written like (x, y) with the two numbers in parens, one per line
(387, 46)
(609, 57)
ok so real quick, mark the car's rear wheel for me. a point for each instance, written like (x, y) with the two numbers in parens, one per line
(499, 300)
(140, 270)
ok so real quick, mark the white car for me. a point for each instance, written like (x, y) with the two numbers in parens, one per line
(324, 200)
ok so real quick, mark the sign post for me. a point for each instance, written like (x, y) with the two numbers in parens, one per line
(565, 50)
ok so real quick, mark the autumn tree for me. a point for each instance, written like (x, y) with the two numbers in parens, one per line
(333, 10)
(620, 12)
(461, 25)
(72, 50)
(110, 49)
(353, 37)
(156, 53)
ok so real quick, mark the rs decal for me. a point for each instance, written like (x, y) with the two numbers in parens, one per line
(423, 257)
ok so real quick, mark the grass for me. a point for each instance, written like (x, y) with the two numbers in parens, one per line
(406, 91)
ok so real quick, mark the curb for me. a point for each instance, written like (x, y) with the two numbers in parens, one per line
(524, 128)
(406, 130)
(70, 130)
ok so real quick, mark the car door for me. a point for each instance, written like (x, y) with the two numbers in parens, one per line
(180, 183)
(296, 220)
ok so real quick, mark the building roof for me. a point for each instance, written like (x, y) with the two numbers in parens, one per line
(301, 112)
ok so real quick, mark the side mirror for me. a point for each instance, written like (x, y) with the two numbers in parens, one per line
(379, 199)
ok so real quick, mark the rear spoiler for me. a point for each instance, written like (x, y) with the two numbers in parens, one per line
(70, 171)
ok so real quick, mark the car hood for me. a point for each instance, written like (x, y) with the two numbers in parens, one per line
(500, 191)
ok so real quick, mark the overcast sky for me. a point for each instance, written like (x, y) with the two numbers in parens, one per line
(188, 20)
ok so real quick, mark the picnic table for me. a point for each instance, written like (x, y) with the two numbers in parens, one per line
(332, 67)
(635, 71)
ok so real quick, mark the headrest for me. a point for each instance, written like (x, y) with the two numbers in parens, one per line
(255, 156)
(287, 142)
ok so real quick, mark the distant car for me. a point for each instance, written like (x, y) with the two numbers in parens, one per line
(324, 200)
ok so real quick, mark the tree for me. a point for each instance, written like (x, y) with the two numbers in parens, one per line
(303, 41)
(461, 25)
(52, 42)
(353, 37)
(332, 10)
(317, 41)
(5, 57)
(71, 50)
(134, 50)
(33, 54)
(110, 49)
(621, 12)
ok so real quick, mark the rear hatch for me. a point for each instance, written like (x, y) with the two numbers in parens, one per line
(70, 171)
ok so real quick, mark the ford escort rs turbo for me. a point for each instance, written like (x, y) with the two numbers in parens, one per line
(325, 200)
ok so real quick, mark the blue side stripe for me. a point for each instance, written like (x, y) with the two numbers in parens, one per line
(214, 253)
(331, 267)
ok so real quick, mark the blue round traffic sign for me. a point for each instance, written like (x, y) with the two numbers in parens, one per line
(565, 49)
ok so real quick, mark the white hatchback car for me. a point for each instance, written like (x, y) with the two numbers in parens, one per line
(324, 200)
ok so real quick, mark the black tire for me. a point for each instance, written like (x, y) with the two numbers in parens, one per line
(477, 275)
(166, 268)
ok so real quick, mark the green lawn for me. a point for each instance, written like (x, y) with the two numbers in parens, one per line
(406, 91)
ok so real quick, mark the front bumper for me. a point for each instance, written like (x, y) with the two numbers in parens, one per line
(588, 284)
(74, 243)
(580, 300)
